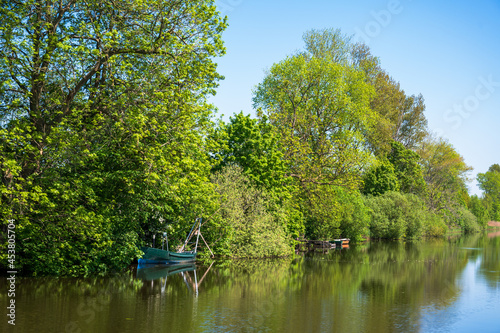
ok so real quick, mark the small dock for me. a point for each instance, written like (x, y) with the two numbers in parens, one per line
(317, 245)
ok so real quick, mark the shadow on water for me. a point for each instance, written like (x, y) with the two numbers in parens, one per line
(377, 287)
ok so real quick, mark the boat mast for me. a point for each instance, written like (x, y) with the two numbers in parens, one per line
(190, 234)
(198, 232)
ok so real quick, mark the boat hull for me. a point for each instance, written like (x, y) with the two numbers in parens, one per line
(154, 256)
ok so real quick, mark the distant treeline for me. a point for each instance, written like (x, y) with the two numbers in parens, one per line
(107, 138)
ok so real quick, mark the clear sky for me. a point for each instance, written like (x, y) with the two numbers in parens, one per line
(449, 51)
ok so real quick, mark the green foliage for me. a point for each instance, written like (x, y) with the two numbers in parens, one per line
(387, 220)
(407, 169)
(467, 221)
(320, 109)
(333, 212)
(396, 215)
(445, 173)
(476, 207)
(329, 44)
(319, 103)
(400, 117)
(103, 117)
(380, 178)
(321, 211)
(387, 104)
(354, 217)
(254, 146)
(489, 182)
(435, 225)
(249, 223)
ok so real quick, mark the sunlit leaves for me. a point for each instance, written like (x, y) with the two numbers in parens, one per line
(103, 117)
(321, 110)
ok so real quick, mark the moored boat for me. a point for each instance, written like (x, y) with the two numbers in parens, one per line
(154, 256)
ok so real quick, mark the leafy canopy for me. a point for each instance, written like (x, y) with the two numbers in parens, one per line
(103, 113)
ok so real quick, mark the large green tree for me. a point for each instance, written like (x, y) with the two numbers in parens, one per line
(445, 173)
(318, 100)
(380, 178)
(254, 146)
(398, 116)
(103, 109)
(321, 110)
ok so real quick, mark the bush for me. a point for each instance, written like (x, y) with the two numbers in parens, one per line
(467, 221)
(333, 212)
(249, 222)
(434, 225)
(387, 215)
(355, 216)
(395, 215)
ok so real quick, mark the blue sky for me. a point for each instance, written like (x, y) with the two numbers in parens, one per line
(449, 51)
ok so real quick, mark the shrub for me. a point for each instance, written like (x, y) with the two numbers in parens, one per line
(467, 221)
(434, 225)
(355, 216)
(333, 212)
(395, 215)
(248, 220)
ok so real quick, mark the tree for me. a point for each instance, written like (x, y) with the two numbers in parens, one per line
(254, 146)
(329, 44)
(445, 173)
(396, 116)
(476, 207)
(387, 104)
(489, 182)
(411, 125)
(320, 109)
(407, 169)
(318, 101)
(400, 117)
(398, 215)
(380, 178)
(103, 111)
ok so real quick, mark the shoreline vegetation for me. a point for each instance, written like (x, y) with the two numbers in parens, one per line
(107, 140)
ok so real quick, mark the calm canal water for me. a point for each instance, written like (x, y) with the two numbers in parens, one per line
(429, 286)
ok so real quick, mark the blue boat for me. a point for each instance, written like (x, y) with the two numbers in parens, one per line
(154, 256)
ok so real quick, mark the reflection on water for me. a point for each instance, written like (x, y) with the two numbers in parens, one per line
(429, 286)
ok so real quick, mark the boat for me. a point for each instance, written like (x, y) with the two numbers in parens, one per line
(154, 256)
(341, 243)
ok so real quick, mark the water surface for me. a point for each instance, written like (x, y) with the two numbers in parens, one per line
(450, 285)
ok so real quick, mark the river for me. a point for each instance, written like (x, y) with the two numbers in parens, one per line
(445, 285)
